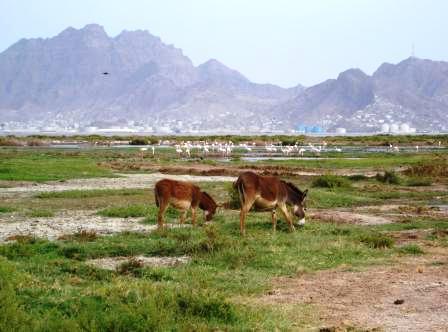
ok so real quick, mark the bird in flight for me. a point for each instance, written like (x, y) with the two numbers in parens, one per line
(105, 73)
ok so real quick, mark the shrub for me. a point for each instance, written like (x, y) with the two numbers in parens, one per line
(358, 177)
(377, 240)
(389, 177)
(411, 249)
(6, 141)
(331, 181)
(435, 168)
(138, 141)
(416, 182)
(6, 209)
(36, 142)
(130, 267)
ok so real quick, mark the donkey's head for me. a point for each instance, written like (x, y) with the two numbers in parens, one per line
(208, 205)
(297, 199)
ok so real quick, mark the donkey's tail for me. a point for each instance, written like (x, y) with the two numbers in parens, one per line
(156, 196)
(238, 184)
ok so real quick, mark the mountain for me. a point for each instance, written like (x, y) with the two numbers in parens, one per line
(413, 92)
(83, 77)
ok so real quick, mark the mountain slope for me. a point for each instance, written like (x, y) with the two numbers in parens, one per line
(83, 77)
(146, 81)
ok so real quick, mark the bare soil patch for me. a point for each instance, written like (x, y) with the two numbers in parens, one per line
(125, 181)
(228, 170)
(113, 263)
(410, 296)
(347, 217)
(68, 222)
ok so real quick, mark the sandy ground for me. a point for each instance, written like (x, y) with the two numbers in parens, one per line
(125, 181)
(347, 217)
(112, 263)
(68, 222)
(408, 296)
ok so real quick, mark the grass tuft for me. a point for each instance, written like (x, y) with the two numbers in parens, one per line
(6, 209)
(80, 236)
(411, 249)
(418, 182)
(389, 177)
(132, 266)
(40, 213)
(377, 240)
(331, 182)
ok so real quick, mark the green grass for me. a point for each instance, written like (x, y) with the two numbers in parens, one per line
(331, 181)
(323, 198)
(411, 249)
(6, 209)
(195, 296)
(129, 211)
(40, 213)
(35, 166)
(89, 193)
(47, 286)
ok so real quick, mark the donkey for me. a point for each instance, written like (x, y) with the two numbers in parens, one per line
(269, 193)
(182, 196)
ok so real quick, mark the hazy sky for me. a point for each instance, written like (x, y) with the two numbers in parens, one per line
(285, 42)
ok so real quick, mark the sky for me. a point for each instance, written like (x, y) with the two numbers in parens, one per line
(284, 42)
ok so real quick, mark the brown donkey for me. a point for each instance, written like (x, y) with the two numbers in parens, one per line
(270, 193)
(182, 196)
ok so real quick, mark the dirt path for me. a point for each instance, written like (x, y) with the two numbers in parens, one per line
(410, 296)
(68, 222)
(125, 181)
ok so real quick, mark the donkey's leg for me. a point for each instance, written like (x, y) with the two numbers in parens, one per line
(193, 216)
(183, 216)
(274, 220)
(243, 213)
(288, 218)
(160, 216)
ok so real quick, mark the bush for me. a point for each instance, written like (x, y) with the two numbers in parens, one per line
(416, 182)
(389, 177)
(331, 181)
(6, 209)
(138, 141)
(377, 240)
(411, 249)
(132, 266)
(435, 168)
(358, 177)
(6, 141)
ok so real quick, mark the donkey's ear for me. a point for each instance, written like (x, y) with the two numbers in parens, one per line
(304, 194)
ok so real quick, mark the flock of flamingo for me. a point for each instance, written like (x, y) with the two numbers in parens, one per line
(184, 149)
(226, 149)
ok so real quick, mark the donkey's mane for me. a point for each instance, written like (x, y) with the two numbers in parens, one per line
(294, 188)
(208, 198)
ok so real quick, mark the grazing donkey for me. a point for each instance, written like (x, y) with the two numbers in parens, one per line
(182, 196)
(269, 193)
